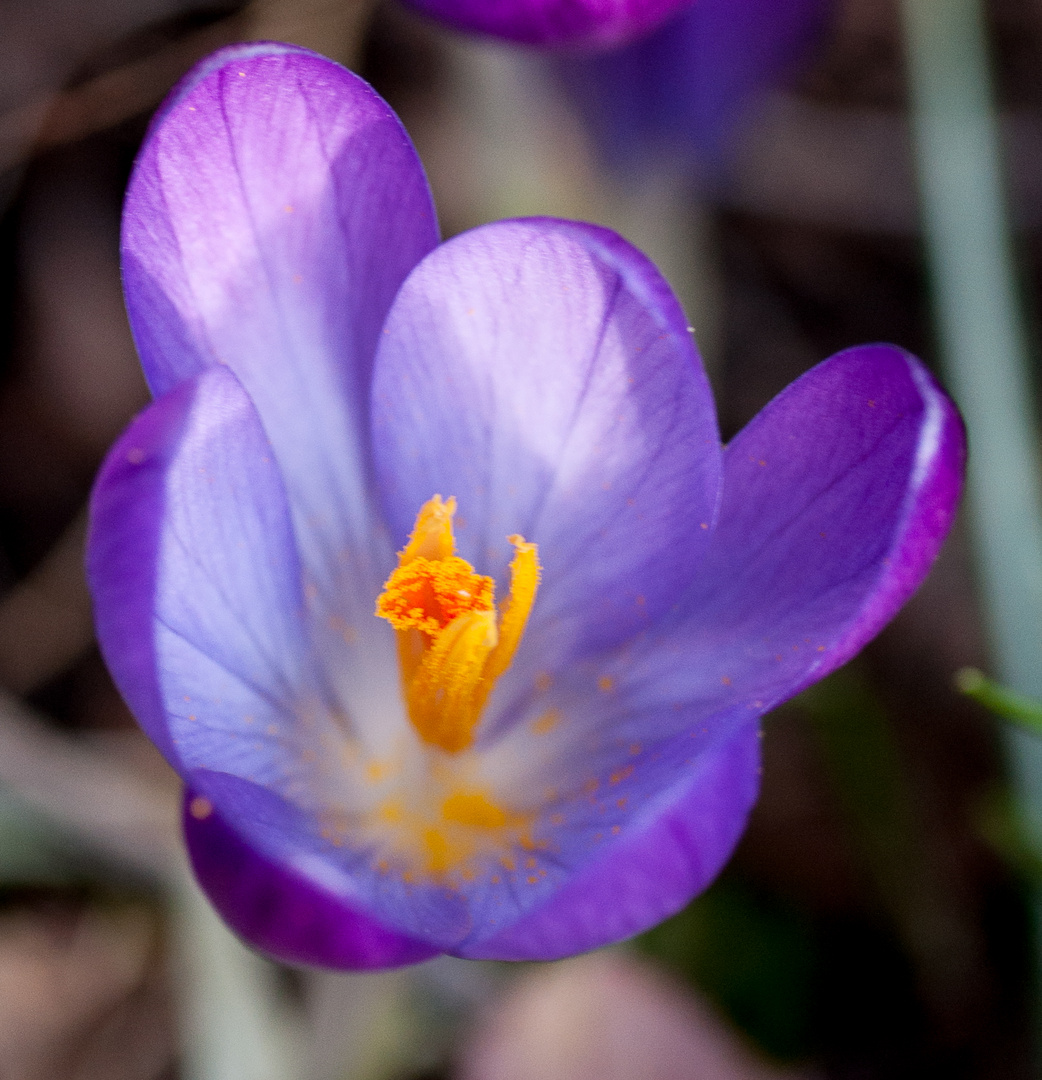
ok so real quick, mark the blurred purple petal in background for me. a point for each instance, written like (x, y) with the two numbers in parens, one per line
(682, 90)
(554, 23)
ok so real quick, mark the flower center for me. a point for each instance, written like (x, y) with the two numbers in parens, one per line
(452, 642)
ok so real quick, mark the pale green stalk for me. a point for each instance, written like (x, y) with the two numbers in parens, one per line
(233, 1024)
(983, 342)
(1016, 708)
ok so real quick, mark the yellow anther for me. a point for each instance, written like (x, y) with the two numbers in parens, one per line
(431, 537)
(428, 594)
(451, 646)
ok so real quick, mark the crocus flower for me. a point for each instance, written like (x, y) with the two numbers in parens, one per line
(534, 729)
(684, 90)
(589, 24)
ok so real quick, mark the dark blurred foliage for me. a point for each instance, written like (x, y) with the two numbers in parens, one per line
(855, 924)
(870, 924)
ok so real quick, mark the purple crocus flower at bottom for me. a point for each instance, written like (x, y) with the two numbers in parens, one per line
(534, 729)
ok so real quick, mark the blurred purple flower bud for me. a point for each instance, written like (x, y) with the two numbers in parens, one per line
(554, 23)
(683, 90)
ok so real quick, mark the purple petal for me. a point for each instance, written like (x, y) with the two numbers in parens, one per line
(588, 23)
(656, 867)
(685, 88)
(837, 497)
(274, 210)
(196, 584)
(293, 837)
(200, 611)
(543, 374)
(281, 912)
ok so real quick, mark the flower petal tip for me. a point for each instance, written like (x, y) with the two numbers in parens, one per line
(280, 912)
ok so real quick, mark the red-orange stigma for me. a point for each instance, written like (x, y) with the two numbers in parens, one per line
(452, 643)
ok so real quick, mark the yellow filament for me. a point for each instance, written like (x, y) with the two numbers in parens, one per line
(524, 581)
(443, 695)
(451, 646)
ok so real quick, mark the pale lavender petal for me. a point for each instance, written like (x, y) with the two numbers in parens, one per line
(281, 912)
(543, 374)
(200, 613)
(273, 212)
(196, 583)
(587, 23)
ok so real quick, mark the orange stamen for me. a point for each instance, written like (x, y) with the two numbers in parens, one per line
(451, 646)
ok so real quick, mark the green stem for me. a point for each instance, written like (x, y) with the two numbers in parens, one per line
(1017, 708)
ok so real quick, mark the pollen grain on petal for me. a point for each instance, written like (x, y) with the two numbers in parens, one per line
(378, 771)
(474, 808)
(453, 839)
(546, 722)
